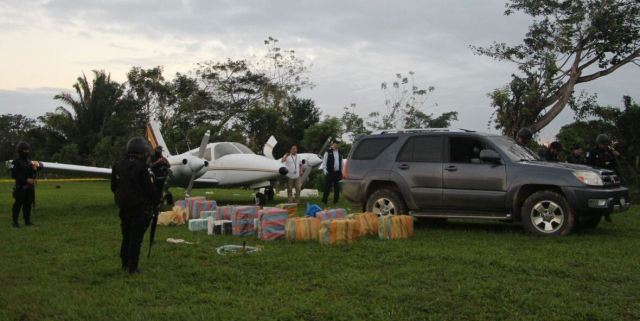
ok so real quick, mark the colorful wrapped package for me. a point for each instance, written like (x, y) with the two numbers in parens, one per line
(181, 203)
(331, 214)
(218, 227)
(292, 208)
(368, 223)
(242, 220)
(338, 231)
(393, 227)
(198, 224)
(177, 216)
(224, 212)
(191, 201)
(202, 206)
(272, 221)
(302, 229)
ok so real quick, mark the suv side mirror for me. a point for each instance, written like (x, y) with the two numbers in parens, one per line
(490, 156)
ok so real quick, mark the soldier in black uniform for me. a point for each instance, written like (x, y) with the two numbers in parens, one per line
(160, 168)
(135, 194)
(24, 190)
(576, 155)
(602, 156)
(524, 136)
(552, 153)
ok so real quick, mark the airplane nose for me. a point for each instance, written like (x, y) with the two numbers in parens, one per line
(283, 171)
(197, 164)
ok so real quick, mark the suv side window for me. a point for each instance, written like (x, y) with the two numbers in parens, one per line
(371, 148)
(465, 150)
(421, 149)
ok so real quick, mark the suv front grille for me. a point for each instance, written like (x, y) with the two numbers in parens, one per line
(610, 178)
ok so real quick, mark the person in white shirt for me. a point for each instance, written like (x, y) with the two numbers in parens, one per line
(295, 168)
(332, 169)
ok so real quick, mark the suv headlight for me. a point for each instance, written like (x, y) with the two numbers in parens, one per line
(588, 177)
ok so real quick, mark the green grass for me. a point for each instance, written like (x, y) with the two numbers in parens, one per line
(67, 268)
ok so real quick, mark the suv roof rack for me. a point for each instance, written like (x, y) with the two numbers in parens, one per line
(410, 130)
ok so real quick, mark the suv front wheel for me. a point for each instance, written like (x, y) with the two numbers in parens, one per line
(386, 202)
(547, 213)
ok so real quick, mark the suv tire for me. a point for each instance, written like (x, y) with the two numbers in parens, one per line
(589, 222)
(386, 202)
(547, 213)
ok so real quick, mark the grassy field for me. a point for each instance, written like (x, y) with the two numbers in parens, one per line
(67, 268)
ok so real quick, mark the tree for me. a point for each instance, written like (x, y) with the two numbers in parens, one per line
(352, 122)
(568, 43)
(13, 128)
(404, 101)
(149, 88)
(316, 135)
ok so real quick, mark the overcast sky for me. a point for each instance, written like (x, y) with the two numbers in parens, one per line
(353, 46)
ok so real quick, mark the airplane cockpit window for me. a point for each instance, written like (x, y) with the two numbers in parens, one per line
(222, 149)
(243, 148)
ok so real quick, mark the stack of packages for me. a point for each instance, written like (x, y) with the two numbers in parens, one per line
(203, 209)
(224, 212)
(393, 227)
(243, 220)
(302, 229)
(292, 208)
(339, 231)
(271, 223)
(368, 223)
(218, 227)
(331, 214)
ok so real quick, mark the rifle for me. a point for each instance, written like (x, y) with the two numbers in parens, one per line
(154, 223)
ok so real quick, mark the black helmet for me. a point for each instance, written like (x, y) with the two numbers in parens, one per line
(22, 146)
(138, 146)
(158, 150)
(602, 139)
(525, 134)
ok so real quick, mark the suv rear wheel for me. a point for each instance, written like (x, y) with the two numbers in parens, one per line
(547, 213)
(386, 202)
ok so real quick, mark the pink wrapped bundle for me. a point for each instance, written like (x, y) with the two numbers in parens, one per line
(272, 222)
(191, 201)
(242, 220)
(331, 214)
(224, 212)
(202, 206)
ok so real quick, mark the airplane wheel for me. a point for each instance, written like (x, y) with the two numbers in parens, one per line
(261, 199)
(269, 193)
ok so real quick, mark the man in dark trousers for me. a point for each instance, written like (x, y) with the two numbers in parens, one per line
(135, 194)
(160, 168)
(603, 157)
(332, 168)
(23, 172)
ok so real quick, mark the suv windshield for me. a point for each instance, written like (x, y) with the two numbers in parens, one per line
(512, 149)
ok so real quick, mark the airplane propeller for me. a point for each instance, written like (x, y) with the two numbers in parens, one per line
(197, 166)
(324, 147)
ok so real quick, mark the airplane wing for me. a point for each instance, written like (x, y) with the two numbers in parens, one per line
(76, 169)
(206, 182)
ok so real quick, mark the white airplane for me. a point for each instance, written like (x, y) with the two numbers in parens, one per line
(221, 164)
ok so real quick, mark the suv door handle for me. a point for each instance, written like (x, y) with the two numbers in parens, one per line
(403, 166)
(451, 168)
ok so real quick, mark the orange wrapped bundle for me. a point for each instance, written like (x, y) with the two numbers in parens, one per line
(292, 208)
(393, 227)
(302, 229)
(177, 216)
(368, 223)
(339, 231)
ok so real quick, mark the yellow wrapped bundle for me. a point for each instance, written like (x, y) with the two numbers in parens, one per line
(368, 223)
(339, 231)
(393, 227)
(177, 216)
(292, 208)
(302, 229)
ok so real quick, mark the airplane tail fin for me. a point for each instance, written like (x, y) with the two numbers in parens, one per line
(267, 149)
(155, 137)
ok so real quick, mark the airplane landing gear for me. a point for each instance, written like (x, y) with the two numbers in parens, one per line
(269, 193)
(261, 199)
